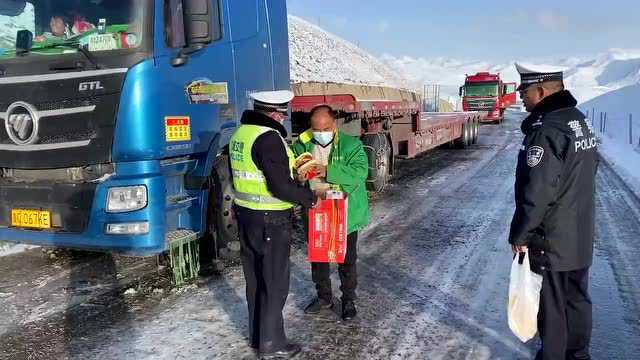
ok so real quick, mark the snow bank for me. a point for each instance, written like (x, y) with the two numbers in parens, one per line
(317, 55)
(625, 162)
(620, 152)
(618, 102)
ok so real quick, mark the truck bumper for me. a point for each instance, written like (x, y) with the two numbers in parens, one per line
(92, 235)
(140, 245)
(491, 116)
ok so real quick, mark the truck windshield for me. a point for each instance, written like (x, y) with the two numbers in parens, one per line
(60, 26)
(490, 89)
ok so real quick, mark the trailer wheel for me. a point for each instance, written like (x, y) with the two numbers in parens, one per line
(476, 131)
(378, 151)
(221, 234)
(465, 140)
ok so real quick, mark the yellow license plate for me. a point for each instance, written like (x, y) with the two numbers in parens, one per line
(31, 219)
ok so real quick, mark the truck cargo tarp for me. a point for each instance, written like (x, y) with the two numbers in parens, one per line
(360, 92)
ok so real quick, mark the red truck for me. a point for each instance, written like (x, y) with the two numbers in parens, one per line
(486, 93)
(389, 121)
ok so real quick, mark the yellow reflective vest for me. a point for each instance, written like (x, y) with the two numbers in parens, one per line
(249, 183)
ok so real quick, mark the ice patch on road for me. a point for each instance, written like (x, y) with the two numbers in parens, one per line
(7, 249)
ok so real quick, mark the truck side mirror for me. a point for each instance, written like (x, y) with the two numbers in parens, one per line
(460, 91)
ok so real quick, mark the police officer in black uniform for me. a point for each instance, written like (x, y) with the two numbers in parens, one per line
(265, 193)
(554, 216)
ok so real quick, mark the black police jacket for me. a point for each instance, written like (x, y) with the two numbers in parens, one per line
(555, 186)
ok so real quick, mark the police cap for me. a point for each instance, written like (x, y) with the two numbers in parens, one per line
(534, 74)
(272, 101)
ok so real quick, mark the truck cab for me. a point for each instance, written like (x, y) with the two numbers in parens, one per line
(115, 116)
(486, 93)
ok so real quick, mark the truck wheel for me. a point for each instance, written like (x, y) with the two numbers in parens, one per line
(227, 219)
(221, 234)
(378, 151)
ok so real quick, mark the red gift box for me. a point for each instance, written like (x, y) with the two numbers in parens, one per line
(328, 231)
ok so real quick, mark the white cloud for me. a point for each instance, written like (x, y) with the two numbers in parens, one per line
(548, 20)
(552, 21)
(382, 26)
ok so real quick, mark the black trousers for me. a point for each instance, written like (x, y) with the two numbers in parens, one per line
(564, 318)
(265, 245)
(320, 273)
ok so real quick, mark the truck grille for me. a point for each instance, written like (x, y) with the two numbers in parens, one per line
(51, 124)
(483, 105)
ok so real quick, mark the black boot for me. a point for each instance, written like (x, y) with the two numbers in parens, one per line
(289, 351)
(348, 310)
(317, 305)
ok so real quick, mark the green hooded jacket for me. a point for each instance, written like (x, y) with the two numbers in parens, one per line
(348, 167)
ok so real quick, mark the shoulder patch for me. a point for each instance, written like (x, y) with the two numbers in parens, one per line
(534, 155)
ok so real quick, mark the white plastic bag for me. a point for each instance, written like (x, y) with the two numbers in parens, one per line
(524, 299)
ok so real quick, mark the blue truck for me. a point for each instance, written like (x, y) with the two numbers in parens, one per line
(115, 117)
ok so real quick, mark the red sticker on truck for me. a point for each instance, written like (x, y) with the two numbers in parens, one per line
(177, 128)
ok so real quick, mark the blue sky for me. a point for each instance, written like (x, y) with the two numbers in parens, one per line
(479, 30)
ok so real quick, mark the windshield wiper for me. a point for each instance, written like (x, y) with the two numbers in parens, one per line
(77, 46)
(92, 59)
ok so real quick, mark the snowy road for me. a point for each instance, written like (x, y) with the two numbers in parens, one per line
(433, 274)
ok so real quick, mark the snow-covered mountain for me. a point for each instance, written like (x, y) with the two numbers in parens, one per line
(448, 73)
(317, 55)
(586, 78)
(616, 69)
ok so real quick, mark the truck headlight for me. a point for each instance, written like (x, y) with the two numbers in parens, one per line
(123, 199)
(138, 228)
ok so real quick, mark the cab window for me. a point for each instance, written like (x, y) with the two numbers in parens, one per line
(174, 23)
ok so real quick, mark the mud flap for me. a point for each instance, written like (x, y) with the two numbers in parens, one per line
(184, 256)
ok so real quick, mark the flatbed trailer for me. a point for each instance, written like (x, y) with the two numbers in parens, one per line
(389, 122)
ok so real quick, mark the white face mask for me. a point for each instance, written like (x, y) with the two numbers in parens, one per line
(323, 138)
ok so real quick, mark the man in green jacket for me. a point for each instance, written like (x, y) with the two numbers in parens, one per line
(343, 163)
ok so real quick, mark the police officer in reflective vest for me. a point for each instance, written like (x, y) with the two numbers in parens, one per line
(554, 216)
(265, 194)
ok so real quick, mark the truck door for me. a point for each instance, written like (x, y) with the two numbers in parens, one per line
(252, 48)
(202, 88)
(509, 97)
